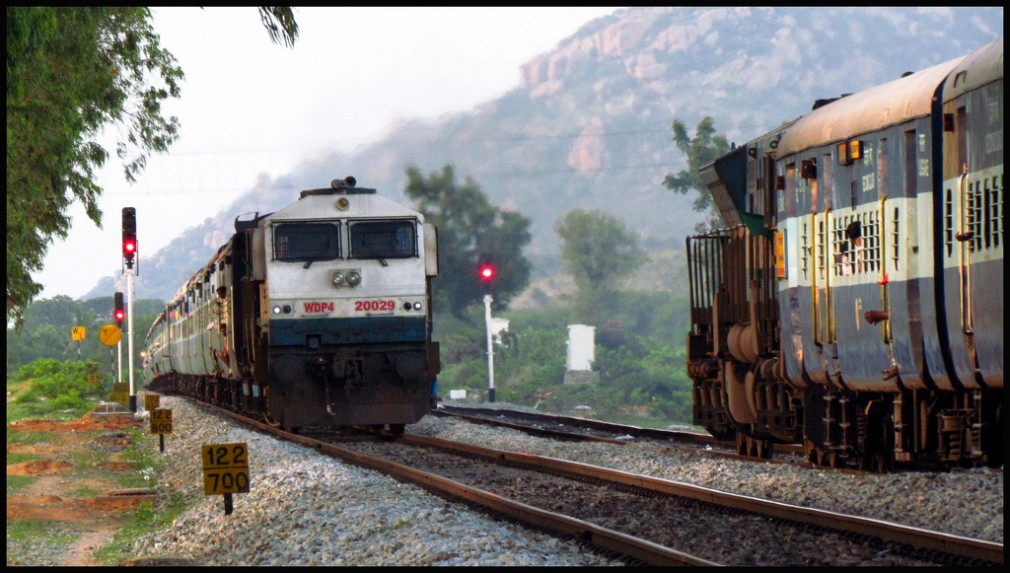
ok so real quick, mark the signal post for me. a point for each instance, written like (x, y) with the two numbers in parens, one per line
(119, 314)
(486, 272)
(129, 253)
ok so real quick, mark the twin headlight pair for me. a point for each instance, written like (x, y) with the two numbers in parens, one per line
(346, 277)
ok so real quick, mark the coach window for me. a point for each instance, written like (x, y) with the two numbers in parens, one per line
(911, 163)
(306, 241)
(389, 239)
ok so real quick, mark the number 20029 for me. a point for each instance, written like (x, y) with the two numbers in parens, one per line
(374, 305)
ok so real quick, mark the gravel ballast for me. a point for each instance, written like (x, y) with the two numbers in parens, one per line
(308, 509)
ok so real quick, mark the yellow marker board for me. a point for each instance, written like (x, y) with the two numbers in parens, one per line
(225, 468)
(110, 335)
(151, 401)
(161, 421)
(120, 394)
(78, 332)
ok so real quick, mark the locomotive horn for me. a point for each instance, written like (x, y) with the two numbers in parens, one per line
(347, 183)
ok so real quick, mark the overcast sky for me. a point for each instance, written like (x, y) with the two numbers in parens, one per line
(249, 106)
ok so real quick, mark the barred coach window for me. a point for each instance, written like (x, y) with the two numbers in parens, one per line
(389, 239)
(307, 241)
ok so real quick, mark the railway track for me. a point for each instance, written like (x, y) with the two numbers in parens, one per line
(643, 519)
(574, 428)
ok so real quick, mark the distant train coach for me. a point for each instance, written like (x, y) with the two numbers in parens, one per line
(316, 315)
(854, 300)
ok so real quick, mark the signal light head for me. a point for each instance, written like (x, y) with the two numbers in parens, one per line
(118, 313)
(486, 272)
(129, 234)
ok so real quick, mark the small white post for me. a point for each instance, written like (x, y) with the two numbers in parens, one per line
(490, 349)
(129, 327)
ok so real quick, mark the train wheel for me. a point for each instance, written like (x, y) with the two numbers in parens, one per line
(822, 457)
(880, 463)
(810, 451)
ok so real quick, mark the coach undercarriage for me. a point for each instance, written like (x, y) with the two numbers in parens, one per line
(838, 428)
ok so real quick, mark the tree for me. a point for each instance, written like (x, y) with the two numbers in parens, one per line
(704, 148)
(599, 253)
(71, 72)
(469, 227)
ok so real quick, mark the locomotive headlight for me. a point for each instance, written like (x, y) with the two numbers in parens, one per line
(338, 278)
(277, 310)
(417, 306)
(354, 278)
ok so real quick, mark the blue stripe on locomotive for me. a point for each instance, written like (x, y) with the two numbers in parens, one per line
(344, 331)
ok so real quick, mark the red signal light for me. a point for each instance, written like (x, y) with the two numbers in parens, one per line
(129, 235)
(487, 272)
(118, 313)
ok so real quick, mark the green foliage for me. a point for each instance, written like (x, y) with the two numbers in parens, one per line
(280, 24)
(63, 383)
(469, 226)
(71, 72)
(48, 322)
(640, 357)
(703, 149)
(600, 254)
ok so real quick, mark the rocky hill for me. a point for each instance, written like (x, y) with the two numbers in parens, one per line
(589, 126)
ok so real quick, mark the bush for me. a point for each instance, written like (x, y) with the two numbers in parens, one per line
(64, 383)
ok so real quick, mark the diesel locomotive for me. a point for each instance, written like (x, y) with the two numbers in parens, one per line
(853, 301)
(315, 315)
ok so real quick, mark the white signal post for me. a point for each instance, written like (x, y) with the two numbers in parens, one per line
(131, 258)
(490, 349)
(129, 328)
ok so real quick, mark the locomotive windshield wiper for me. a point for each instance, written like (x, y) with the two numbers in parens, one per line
(307, 264)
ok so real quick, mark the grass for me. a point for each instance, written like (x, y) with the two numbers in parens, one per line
(145, 519)
(43, 409)
(16, 484)
(14, 459)
(32, 541)
(33, 538)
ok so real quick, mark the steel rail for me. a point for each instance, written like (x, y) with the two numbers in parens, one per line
(915, 537)
(603, 538)
(648, 552)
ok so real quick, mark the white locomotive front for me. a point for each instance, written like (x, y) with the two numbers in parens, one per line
(315, 315)
(347, 308)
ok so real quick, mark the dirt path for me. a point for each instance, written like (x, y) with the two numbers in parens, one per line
(66, 494)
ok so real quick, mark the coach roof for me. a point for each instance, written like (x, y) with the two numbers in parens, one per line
(867, 111)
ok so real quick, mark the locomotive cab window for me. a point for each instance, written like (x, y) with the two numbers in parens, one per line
(306, 241)
(389, 239)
